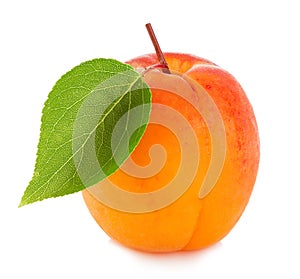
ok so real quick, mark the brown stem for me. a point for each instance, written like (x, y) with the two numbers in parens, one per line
(158, 51)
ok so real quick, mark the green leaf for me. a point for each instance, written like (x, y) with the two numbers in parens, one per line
(93, 118)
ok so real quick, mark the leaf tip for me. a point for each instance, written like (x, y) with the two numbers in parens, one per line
(22, 202)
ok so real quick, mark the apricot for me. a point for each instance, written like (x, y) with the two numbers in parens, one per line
(195, 215)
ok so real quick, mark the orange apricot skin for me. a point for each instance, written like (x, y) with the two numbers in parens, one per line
(191, 223)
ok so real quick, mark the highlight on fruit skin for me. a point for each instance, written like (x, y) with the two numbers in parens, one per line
(189, 222)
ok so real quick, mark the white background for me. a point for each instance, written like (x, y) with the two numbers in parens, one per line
(257, 41)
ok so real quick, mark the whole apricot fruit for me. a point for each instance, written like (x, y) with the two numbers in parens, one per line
(223, 142)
